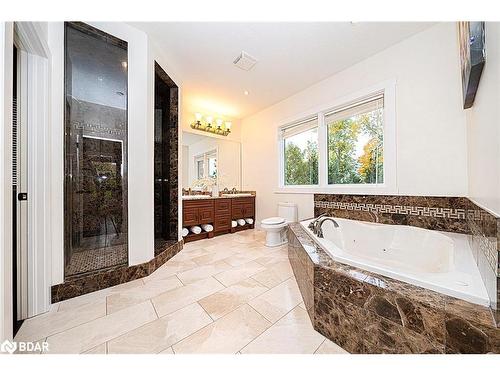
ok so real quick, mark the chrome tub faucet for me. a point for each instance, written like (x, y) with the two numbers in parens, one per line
(316, 224)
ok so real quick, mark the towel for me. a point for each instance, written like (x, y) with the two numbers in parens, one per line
(185, 232)
(195, 229)
(249, 220)
(207, 227)
(234, 224)
(241, 222)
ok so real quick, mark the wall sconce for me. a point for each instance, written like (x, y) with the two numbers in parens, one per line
(207, 125)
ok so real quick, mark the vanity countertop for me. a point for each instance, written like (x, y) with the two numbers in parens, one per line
(223, 196)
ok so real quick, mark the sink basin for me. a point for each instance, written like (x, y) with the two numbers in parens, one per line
(236, 195)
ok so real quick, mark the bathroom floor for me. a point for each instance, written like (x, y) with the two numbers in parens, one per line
(228, 294)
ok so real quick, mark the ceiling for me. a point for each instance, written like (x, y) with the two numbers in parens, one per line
(291, 57)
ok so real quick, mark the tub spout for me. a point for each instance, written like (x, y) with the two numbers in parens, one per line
(317, 227)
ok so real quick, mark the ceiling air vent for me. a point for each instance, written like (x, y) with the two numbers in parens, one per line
(245, 61)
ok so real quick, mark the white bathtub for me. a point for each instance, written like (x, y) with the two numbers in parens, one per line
(439, 261)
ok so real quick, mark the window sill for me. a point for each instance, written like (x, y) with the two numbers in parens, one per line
(339, 189)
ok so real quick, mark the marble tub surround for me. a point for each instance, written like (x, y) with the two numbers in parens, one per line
(437, 213)
(449, 214)
(365, 312)
(83, 284)
(249, 305)
(484, 241)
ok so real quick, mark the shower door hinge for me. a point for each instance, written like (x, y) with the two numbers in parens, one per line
(22, 196)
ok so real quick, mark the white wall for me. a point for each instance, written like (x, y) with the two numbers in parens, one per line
(430, 122)
(483, 129)
(141, 56)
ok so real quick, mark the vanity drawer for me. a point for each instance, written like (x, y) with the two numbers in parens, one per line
(243, 200)
(222, 223)
(198, 203)
(222, 207)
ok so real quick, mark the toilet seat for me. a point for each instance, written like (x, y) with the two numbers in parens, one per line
(273, 221)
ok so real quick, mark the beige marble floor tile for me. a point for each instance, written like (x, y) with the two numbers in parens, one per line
(167, 351)
(99, 349)
(50, 323)
(161, 333)
(292, 334)
(278, 301)
(96, 332)
(239, 273)
(171, 268)
(275, 274)
(98, 295)
(213, 257)
(271, 259)
(202, 272)
(244, 257)
(227, 300)
(227, 335)
(175, 299)
(141, 293)
(190, 253)
(328, 347)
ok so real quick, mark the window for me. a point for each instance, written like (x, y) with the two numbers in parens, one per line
(300, 142)
(349, 147)
(355, 143)
(206, 165)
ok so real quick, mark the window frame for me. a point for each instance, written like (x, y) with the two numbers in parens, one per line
(389, 186)
(282, 152)
(204, 157)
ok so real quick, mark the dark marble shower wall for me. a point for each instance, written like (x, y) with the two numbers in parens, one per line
(96, 85)
(450, 214)
(166, 159)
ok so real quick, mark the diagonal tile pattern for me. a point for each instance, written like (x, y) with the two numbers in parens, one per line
(228, 294)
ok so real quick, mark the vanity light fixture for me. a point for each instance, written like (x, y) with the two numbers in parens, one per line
(206, 125)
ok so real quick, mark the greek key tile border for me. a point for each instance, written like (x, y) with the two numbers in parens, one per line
(438, 212)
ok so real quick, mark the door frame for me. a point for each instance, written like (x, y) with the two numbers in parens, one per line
(30, 38)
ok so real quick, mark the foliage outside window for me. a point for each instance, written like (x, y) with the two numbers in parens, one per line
(355, 142)
(343, 147)
(301, 154)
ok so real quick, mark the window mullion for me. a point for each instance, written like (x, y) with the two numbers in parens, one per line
(323, 152)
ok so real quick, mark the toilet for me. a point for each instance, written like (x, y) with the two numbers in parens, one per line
(276, 227)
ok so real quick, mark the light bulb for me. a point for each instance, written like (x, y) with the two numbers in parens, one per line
(198, 116)
(219, 122)
(228, 125)
(209, 119)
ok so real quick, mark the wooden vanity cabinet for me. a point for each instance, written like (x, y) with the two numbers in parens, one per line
(222, 216)
(219, 212)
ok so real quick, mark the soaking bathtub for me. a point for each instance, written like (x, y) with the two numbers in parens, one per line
(438, 261)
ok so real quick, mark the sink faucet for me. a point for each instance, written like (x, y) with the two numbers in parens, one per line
(316, 224)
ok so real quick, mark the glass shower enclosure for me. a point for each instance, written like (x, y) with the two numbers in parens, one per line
(95, 201)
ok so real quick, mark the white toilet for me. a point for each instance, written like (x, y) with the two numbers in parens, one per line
(276, 227)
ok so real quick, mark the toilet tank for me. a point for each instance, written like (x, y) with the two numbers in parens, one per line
(288, 211)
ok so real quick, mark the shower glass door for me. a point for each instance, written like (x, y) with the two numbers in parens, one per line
(95, 150)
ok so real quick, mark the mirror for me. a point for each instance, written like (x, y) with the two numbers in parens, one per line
(210, 164)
